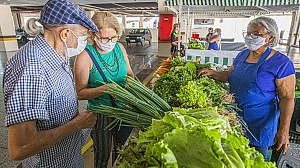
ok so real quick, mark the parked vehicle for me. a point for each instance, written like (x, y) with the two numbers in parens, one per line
(139, 36)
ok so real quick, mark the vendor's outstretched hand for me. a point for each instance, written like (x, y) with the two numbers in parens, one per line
(206, 72)
(282, 141)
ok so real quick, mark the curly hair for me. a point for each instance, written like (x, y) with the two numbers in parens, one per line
(104, 20)
(107, 20)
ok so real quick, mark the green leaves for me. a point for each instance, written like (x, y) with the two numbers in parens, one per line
(197, 137)
(192, 138)
(195, 44)
(203, 92)
(177, 62)
(163, 154)
(180, 87)
(213, 89)
(298, 84)
(192, 95)
(169, 84)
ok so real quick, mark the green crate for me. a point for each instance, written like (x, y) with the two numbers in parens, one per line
(216, 60)
(225, 61)
(198, 59)
(207, 59)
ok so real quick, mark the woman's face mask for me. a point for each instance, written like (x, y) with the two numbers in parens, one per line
(106, 47)
(257, 36)
(254, 42)
(81, 44)
(106, 39)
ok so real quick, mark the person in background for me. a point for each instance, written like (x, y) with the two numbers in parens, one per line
(263, 82)
(209, 34)
(174, 39)
(214, 39)
(41, 106)
(104, 61)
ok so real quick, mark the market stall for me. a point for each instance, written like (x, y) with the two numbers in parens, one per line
(188, 10)
(202, 104)
(184, 122)
(167, 109)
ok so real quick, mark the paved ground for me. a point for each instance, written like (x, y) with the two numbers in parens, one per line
(5, 161)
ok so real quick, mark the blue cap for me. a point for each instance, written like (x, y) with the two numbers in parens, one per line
(65, 12)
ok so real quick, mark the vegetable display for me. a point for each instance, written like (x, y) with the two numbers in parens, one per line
(180, 87)
(169, 84)
(193, 95)
(199, 130)
(196, 44)
(195, 138)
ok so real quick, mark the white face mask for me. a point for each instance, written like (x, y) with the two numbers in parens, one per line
(81, 44)
(253, 42)
(107, 47)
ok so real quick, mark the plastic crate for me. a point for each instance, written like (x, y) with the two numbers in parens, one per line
(213, 56)
(294, 137)
(291, 159)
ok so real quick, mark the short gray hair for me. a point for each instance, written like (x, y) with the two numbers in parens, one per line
(33, 27)
(270, 25)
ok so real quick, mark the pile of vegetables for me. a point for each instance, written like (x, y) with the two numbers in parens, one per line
(203, 92)
(192, 95)
(180, 87)
(196, 44)
(164, 67)
(169, 84)
(193, 138)
(201, 133)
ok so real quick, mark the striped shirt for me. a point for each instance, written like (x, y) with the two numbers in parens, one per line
(38, 85)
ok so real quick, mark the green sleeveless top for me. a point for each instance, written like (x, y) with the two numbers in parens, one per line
(114, 67)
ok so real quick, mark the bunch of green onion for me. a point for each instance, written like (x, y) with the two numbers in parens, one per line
(137, 105)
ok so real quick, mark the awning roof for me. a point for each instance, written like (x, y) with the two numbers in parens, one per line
(231, 2)
(232, 8)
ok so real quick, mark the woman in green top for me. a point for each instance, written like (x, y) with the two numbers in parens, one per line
(174, 39)
(111, 57)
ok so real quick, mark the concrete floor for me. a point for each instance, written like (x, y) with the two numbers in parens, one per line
(143, 61)
(5, 161)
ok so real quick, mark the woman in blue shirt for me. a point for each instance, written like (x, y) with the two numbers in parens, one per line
(263, 82)
(213, 39)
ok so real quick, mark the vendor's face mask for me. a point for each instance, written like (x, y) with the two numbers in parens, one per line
(81, 44)
(254, 42)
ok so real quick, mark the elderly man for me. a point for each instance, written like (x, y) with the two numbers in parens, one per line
(41, 107)
(263, 82)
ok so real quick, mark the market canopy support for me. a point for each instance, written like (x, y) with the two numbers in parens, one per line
(8, 40)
